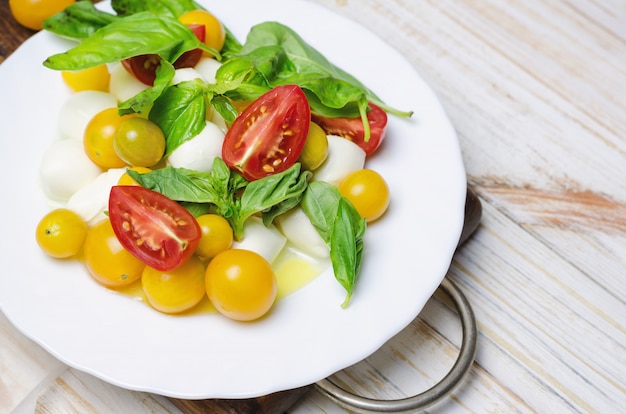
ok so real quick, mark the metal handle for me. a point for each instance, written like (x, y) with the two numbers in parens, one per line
(429, 397)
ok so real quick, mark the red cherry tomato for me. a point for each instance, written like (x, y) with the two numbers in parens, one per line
(144, 67)
(155, 229)
(268, 136)
(352, 128)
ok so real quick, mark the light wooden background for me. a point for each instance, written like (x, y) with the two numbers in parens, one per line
(537, 93)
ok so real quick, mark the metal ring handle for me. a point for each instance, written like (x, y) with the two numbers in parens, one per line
(429, 397)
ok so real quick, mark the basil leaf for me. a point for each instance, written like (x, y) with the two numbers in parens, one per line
(174, 8)
(180, 184)
(221, 188)
(138, 34)
(180, 112)
(339, 224)
(346, 246)
(319, 203)
(272, 195)
(79, 20)
(144, 100)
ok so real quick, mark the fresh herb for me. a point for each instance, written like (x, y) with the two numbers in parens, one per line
(339, 224)
(138, 34)
(228, 192)
(79, 20)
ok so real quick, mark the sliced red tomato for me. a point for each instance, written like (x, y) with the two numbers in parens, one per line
(352, 128)
(268, 136)
(155, 229)
(144, 67)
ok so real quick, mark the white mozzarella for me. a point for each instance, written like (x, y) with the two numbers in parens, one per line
(91, 201)
(78, 110)
(123, 85)
(297, 228)
(208, 67)
(186, 74)
(199, 152)
(266, 241)
(65, 169)
(344, 157)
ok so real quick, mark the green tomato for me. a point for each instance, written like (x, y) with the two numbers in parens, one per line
(139, 142)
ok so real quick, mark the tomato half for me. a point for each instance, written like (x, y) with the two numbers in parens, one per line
(352, 128)
(155, 229)
(268, 136)
(143, 67)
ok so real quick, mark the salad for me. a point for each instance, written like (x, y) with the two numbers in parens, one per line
(204, 146)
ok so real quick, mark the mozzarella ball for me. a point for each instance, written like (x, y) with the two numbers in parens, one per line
(344, 157)
(92, 200)
(297, 228)
(207, 67)
(123, 85)
(65, 169)
(199, 152)
(186, 74)
(78, 110)
(266, 241)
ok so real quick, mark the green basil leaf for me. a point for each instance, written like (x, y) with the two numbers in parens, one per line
(138, 34)
(320, 203)
(79, 20)
(180, 112)
(174, 8)
(146, 98)
(181, 184)
(278, 191)
(339, 224)
(346, 246)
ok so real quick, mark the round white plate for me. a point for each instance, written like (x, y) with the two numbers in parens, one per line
(307, 336)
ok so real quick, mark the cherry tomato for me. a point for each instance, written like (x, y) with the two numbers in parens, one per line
(217, 235)
(154, 228)
(99, 135)
(214, 30)
(107, 261)
(91, 79)
(139, 142)
(368, 192)
(61, 233)
(126, 179)
(352, 128)
(32, 13)
(241, 284)
(176, 290)
(268, 136)
(144, 67)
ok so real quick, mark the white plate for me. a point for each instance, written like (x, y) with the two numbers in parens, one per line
(307, 336)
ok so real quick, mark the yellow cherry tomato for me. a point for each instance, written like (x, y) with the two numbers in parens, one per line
(368, 191)
(61, 233)
(107, 261)
(217, 235)
(99, 136)
(32, 13)
(91, 79)
(177, 290)
(315, 148)
(126, 179)
(241, 284)
(214, 30)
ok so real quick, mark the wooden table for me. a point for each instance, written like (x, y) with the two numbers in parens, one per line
(536, 90)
